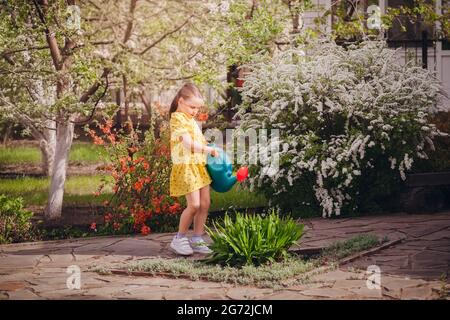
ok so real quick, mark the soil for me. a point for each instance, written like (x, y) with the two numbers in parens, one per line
(75, 216)
(34, 170)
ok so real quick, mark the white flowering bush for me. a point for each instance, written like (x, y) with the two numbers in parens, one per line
(351, 121)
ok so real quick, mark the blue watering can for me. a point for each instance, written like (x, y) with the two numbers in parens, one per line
(221, 171)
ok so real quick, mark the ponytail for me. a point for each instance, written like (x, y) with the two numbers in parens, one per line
(174, 104)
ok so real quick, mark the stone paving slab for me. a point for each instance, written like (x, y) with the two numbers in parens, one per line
(411, 269)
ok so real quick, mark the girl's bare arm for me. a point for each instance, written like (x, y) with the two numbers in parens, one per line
(194, 146)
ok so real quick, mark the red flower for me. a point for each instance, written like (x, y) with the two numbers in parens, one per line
(98, 141)
(239, 83)
(145, 230)
(123, 165)
(107, 217)
(202, 116)
(93, 226)
(138, 186)
(174, 208)
(105, 129)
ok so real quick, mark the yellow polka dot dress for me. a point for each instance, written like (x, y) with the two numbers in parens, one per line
(188, 168)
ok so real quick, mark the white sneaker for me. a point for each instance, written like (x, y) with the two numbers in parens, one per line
(181, 246)
(200, 247)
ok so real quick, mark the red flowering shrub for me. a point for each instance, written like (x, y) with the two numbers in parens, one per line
(140, 170)
(203, 116)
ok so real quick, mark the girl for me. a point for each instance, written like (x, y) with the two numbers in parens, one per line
(189, 176)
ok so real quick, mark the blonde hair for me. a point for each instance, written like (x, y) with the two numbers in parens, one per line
(188, 90)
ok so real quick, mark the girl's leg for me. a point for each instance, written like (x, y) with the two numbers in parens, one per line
(202, 214)
(193, 206)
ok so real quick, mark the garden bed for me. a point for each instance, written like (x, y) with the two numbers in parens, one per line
(301, 264)
(76, 221)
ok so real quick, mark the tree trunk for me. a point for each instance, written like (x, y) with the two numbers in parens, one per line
(295, 23)
(64, 138)
(47, 147)
(119, 100)
(7, 134)
(146, 100)
(125, 97)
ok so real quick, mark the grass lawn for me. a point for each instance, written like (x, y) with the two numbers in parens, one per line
(237, 197)
(81, 152)
(79, 190)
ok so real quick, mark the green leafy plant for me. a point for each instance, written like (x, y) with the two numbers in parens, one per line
(252, 239)
(15, 222)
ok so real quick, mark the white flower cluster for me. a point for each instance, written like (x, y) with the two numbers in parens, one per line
(339, 111)
(221, 7)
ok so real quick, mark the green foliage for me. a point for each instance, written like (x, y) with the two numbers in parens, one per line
(439, 158)
(351, 22)
(238, 33)
(422, 12)
(270, 275)
(15, 222)
(253, 239)
(65, 232)
(250, 35)
(341, 249)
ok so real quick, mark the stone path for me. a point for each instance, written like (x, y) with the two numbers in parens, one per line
(412, 269)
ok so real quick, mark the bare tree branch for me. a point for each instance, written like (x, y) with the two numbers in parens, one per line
(85, 97)
(130, 21)
(165, 36)
(179, 78)
(50, 36)
(252, 10)
(91, 116)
